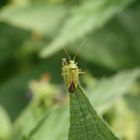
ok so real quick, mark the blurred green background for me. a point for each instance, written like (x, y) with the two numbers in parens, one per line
(32, 36)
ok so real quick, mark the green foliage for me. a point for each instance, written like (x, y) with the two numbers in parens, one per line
(106, 91)
(89, 16)
(85, 124)
(49, 18)
(32, 92)
(112, 92)
(5, 125)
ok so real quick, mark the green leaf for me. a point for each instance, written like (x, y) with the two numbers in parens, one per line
(85, 124)
(133, 102)
(55, 127)
(39, 18)
(5, 124)
(126, 122)
(36, 127)
(89, 16)
(107, 90)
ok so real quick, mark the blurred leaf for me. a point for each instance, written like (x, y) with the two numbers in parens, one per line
(25, 126)
(133, 102)
(89, 16)
(85, 124)
(5, 125)
(131, 22)
(125, 121)
(39, 18)
(58, 119)
(107, 90)
(20, 2)
(30, 120)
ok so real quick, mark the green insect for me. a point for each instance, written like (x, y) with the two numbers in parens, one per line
(71, 72)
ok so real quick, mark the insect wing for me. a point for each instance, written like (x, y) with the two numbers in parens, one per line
(73, 80)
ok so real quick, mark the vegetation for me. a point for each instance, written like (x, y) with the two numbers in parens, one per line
(34, 102)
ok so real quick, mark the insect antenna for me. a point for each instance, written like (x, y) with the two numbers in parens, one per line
(82, 44)
(67, 53)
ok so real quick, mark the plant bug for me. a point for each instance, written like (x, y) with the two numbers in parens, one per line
(70, 71)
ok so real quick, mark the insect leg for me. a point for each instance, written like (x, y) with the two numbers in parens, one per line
(80, 71)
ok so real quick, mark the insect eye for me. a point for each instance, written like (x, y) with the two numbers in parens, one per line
(64, 61)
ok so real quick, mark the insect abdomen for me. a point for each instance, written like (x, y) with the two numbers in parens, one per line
(72, 88)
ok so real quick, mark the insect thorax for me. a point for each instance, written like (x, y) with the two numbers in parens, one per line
(72, 65)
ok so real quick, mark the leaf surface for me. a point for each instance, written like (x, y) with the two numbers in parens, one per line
(85, 124)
